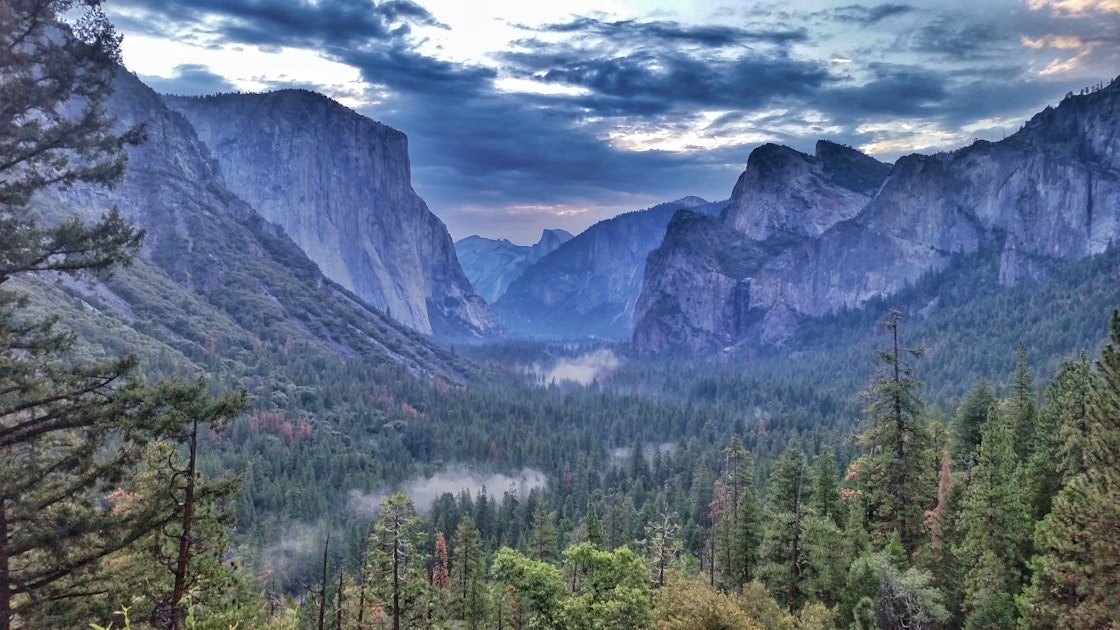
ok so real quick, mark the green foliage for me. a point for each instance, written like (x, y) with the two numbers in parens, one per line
(690, 604)
(900, 599)
(995, 525)
(396, 564)
(469, 595)
(609, 589)
(534, 590)
(970, 417)
(897, 477)
(1076, 573)
(783, 553)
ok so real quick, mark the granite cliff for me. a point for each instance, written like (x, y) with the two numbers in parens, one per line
(213, 273)
(806, 236)
(340, 186)
(492, 264)
(590, 284)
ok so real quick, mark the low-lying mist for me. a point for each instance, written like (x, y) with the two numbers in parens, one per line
(581, 370)
(425, 490)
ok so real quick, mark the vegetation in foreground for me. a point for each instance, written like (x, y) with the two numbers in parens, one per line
(710, 515)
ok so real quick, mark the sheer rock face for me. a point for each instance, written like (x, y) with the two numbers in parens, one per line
(805, 236)
(218, 248)
(340, 186)
(589, 286)
(785, 191)
(492, 264)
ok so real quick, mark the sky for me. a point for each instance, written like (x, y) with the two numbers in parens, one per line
(523, 115)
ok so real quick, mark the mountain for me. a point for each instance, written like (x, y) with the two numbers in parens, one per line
(216, 282)
(492, 264)
(807, 236)
(340, 186)
(589, 285)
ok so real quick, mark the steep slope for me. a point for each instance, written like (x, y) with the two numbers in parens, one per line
(340, 186)
(491, 265)
(1044, 197)
(589, 285)
(217, 280)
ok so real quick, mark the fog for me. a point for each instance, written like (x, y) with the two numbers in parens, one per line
(581, 370)
(425, 490)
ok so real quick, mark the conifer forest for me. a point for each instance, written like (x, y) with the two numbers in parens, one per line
(180, 469)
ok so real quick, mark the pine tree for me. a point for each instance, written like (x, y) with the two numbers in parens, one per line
(1059, 435)
(397, 563)
(970, 416)
(542, 536)
(782, 556)
(71, 432)
(737, 531)
(468, 577)
(827, 556)
(995, 525)
(1076, 572)
(593, 527)
(824, 500)
(1021, 405)
(898, 477)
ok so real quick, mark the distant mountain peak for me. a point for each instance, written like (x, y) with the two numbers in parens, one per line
(806, 236)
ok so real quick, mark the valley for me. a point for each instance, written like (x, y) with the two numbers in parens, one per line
(851, 394)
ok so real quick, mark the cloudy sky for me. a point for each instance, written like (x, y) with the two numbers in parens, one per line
(523, 114)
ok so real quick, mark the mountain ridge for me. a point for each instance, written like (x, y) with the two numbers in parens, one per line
(589, 285)
(340, 186)
(246, 283)
(1049, 195)
(491, 264)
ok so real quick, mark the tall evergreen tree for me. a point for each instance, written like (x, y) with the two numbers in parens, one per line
(967, 423)
(1059, 435)
(824, 499)
(782, 557)
(397, 563)
(469, 596)
(995, 525)
(898, 477)
(737, 532)
(543, 536)
(1021, 405)
(1077, 568)
(71, 432)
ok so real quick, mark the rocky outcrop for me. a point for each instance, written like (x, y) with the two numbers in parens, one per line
(815, 234)
(783, 191)
(590, 284)
(238, 276)
(491, 265)
(340, 186)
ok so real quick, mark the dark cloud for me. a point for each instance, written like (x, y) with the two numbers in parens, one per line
(867, 16)
(633, 68)
(668, 32)
(905, 91)
(374, 37)
(288, 22)
(950, 36)
(939, 65)
(648, 83)
(189, 80)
